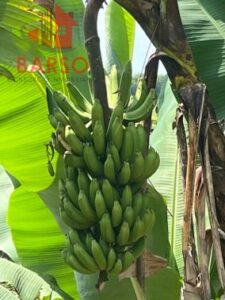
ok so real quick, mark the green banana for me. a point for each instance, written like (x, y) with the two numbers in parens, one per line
(127, 148)
(126, 198)
(116, 214)
(94, 165)
(57, 145)
(71, 260)
(117, 268)
(75, 214)
(72, 191)
(132, 102)
(60, 116)
(69, 245)
(107, 232)
(107, 191)
(74, 237)
(73, 160)
(116, 133)
(109, 169)
(117, 112)
(99, 139)
(152, 162)
(142, 139)
(78, 98)
(115, 156)
(66, 105)
(50, 101)
(94, 187)
(88, 241)
(128, 215)
(70, 222)
(71, 173)
(86, 208)
(60, 130)
(97, 114)
(127, 260)
(74, 142)
(138, 167)
(83, 182)
(140, 95)
(111, 259)
(138, 247)
(104, 247)
(53, 121)
(125, 84)
(132, 128)
(123, 235)
(137, 230)
(84, 258)
(141, 91)
(98, 255)
(138, 204)
(125, 173)
(63, 102)
(100, 206)
(78, 126)
(143, 111)
(112, 80)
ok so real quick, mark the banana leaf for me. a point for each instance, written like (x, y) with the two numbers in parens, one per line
(6, 188)
(164, 285)
(119, 35)
(38, 238)
(24, 131)
(17, 19)
(17, 282)
(204, 27)
(168, 180)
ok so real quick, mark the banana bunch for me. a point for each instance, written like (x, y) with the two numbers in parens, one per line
(104, 196)
(86, 254)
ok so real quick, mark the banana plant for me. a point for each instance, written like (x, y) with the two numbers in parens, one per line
(27, 193)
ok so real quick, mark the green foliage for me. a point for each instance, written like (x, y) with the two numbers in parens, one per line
(120, 33)
(204, 27)
(168, 179)
(164, 285)
(38, 238)
(17, 282)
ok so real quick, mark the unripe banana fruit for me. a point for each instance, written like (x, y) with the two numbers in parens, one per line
(104, 196)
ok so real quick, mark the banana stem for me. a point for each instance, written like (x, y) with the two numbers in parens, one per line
(137, 289)
(94, 54)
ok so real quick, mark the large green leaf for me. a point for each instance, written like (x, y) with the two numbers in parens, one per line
(204, 26)
(17, 19)
(167, 179)
(6, 243)
(26, 284)
(158, 240)
(114, 289)
(24, 132)
(164, 285)
(38, 238)
(120, 33)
